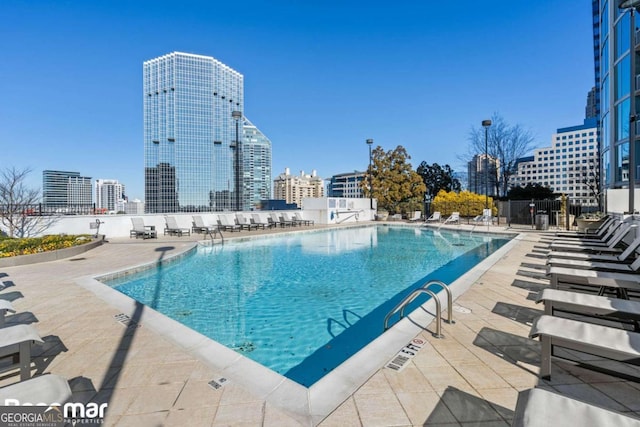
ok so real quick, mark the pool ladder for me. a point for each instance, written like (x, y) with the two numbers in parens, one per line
(424, 289)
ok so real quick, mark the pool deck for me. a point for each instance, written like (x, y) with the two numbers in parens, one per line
(472, 376)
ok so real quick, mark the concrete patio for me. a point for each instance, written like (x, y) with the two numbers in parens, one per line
(470, 377)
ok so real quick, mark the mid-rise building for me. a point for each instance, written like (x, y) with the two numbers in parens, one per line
(294, 188)
(192, 106)
(134, 207)
(346, 185)
(256, 159)
(64, 189)
(482, 174)
(109, 192)
(569, 166)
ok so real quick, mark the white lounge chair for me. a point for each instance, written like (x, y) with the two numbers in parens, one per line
(417, 215)
(622, 282)
(255, 219)
(608, 246)
(298, 218)
(288, 220)
(596, 234)
(244, 223)
(543, 408)
(435, 217)
(597, 307)
(200, 227)
(141, 230)
(454, 217)
(45, 389)
(18, 339)
(597, 340)
(5, 307)
(620, 229)
(227, 225)
(622, 257)
(172, 228)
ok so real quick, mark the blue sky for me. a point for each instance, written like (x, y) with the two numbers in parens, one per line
(321, 76)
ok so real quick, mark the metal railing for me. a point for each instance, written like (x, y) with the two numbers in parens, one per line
(424, 289)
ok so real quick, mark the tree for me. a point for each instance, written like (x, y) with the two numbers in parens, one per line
(396, 186)
(16, 203)
(531, 191)
(589, 175)
(436, 178)
(505, 143)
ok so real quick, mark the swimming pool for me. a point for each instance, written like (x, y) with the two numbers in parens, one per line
(301, 304)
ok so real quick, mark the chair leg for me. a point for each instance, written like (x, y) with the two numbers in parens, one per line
(545, 358)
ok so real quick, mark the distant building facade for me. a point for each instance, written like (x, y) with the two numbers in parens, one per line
(481, 174)
(134, 207)
(293, 188)
(346, 185)
(109, 193)
(570, 166)
(64, 189)
(256, 158)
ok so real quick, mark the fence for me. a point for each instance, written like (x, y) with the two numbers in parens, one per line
(43, 210)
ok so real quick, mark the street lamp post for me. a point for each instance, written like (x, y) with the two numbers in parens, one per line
(370, 143)
(237, 115)
(485, 125)
(632, 6)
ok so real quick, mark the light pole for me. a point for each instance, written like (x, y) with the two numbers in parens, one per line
(237, 115)
(485, 125)
(370, 143)
(632, 6)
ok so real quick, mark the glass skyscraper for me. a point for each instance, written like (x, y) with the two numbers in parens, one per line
(256, 165)
(612, 39)
(189, 133)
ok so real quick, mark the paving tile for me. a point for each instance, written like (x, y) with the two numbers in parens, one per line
(380, 410)
(480, 376)
(155, 398)
(240, 414)
(345, 415)
(425, 408)
(191, 417)
(410, 379)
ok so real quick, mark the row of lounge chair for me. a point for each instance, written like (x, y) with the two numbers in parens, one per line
(16, 341)
(591, 317)
(239, 222)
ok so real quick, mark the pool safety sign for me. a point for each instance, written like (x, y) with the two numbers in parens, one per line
(407, 353)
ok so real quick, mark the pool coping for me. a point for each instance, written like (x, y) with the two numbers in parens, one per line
(310, 405)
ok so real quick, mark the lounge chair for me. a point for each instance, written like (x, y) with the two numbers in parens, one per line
(595, 265)
(255, 219)
(244, 223)
(172, 228)
(621, 282)
(276, 220)
(417, 216)
(454, 217)
(589, 306)
(602, 341)
(18, 339)
(5, 307)
(435, 217)
(614, 232)
(48, 389)
(625, 256)
(227, 225)
(200, 227)
(288, 220)
(298, 218)
(141, 230)
(610, 247)
(597, 234)
(543, 408)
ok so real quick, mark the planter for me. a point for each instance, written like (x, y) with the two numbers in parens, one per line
(15, 261)
(588, 225)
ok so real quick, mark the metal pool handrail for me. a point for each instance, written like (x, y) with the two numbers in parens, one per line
(424, 290)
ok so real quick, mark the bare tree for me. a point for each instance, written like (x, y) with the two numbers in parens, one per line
(505, 143)
(589, 175)
(16, 202)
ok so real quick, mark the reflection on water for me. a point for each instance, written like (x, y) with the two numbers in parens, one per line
(339, 241)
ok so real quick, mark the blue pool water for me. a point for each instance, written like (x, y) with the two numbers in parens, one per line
(303, 303)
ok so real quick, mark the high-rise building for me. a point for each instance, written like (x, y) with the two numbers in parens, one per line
(591, 111)
(63, 189)
(109, 192)
(346, 185)
(294, 188)
(613, 79)
(480, 179)
(189, 134)
(569, 166)
(256, 165)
